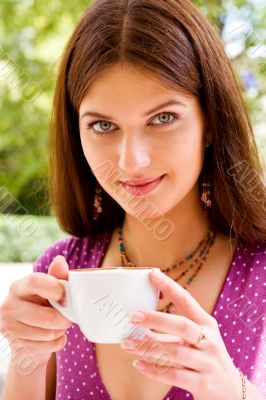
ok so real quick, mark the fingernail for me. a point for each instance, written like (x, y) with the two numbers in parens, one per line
(139, 365)
(157, 275)
(128, 344)
(60, 258)
(64, 302)
(137, 316)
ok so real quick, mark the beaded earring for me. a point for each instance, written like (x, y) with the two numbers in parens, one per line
(206, 181)
(205, 197)
(97, 202)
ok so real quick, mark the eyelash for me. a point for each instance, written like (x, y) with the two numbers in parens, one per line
(91, 124)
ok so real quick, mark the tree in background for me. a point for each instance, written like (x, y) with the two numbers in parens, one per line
(32, 37)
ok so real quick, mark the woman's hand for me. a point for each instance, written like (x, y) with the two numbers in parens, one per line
(203, 368)
(28, 321)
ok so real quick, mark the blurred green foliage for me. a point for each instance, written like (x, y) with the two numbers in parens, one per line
(32, 37)
(24, 238)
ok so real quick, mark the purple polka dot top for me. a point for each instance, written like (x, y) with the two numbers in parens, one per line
(240, 311)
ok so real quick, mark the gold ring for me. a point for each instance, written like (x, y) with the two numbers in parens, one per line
(202, 336)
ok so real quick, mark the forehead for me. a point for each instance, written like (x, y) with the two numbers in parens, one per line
(128, 84)
(135, 76)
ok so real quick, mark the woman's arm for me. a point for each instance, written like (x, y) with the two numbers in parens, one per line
(198, 360)
(51, 378)
(252, 393)
(23, 387)
(39, 385)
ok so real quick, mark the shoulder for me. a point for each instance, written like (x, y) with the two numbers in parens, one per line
(252, 255)
(73, 249)
(247, 275)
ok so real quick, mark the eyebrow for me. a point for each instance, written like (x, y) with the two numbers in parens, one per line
(157, 108)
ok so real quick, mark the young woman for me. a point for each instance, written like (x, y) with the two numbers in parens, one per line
(153, 163)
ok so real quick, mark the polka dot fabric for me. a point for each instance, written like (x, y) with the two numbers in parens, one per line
(239, 310)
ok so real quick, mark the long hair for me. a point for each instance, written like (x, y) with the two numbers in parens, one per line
(172, 40)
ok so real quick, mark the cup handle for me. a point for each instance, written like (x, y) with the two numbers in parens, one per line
(67, 311)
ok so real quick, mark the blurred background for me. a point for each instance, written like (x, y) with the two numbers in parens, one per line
(32, 38)
(33, 35)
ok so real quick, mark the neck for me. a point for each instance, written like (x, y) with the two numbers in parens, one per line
(146, 245)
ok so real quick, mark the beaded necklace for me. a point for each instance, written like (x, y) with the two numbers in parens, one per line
(202, 249)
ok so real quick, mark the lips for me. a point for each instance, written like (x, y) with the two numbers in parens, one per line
(141, 187)
(141, 182)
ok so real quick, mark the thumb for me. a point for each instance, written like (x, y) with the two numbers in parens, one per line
(59, 268)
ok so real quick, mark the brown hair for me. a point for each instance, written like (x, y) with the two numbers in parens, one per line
(172, 40)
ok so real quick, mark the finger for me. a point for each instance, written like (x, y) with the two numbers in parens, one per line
(38, 348)
(162, 337)
(171, 324)
(24, 331)
(43, 317)
(180, 297)
(184, 378)
(166, 353)
(41, 284)
(59, 268)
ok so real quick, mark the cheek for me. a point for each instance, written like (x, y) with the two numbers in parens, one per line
(185, 151)
(192, 157)
(104, 167)
(185, 159)
(95, 153)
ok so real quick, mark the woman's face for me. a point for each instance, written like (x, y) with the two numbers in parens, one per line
(139, 137)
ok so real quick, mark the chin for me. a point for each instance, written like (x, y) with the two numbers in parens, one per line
(145, 210)
(157, 222)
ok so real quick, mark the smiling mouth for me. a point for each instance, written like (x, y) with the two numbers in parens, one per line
(143, 188)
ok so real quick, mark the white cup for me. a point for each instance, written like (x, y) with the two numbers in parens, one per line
(100, 301)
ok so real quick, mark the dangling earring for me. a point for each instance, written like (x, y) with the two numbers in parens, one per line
(206, 197)
(97, 202)
(206, 180)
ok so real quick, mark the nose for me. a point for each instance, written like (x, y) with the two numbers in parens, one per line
(134, 154)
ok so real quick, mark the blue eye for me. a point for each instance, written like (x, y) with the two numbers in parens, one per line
(105, 124)
(165, 121)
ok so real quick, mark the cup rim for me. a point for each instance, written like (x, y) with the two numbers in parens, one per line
(110, 268)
